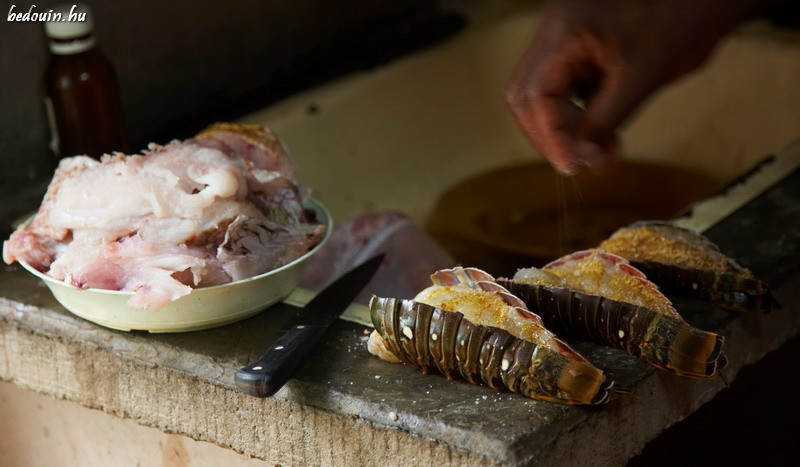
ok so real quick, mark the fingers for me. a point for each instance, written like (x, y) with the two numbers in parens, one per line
(546, 120)
(554, 121)
(612, 55)
(542, 95)
(622, 90)
(542, 118)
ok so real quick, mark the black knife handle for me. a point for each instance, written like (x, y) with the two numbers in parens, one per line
(266, 376)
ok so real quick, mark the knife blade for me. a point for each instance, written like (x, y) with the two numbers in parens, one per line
(266, 376)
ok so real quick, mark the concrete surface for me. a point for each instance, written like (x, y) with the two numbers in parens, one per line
(345, 402)
(50, 432)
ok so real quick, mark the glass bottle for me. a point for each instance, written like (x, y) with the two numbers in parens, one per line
(81, 92)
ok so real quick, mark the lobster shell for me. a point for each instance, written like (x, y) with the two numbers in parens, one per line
(726, 284)
(436, 340)
(663, 341)
(726, 290)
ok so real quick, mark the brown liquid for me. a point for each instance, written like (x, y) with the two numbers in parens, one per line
(86, 107)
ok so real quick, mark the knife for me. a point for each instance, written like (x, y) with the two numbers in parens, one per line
(266, 376)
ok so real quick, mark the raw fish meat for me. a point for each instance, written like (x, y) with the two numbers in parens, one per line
(220, 207)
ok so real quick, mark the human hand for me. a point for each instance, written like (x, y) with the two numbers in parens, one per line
(593, 62)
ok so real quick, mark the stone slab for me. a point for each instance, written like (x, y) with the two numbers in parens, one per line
(348, 407)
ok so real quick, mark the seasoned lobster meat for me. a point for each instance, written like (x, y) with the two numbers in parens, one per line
(688, 264)
(468, 326)
(600, 297)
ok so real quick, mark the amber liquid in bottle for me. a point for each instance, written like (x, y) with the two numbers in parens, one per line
(84, 105)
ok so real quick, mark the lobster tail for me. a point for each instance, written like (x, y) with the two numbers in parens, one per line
(727, 290)
(686, 263)
(433, 339)
(662, 340)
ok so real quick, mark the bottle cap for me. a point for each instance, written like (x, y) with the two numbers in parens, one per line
(69, 21)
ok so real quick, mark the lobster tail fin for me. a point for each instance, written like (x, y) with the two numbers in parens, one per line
(694, 352)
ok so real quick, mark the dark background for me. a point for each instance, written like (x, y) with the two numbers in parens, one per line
(754, 422)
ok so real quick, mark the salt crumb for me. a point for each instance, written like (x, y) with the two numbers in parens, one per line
(393, 416)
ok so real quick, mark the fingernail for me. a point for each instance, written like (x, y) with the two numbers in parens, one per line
(567, 169)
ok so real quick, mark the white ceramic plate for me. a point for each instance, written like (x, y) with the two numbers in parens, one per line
(201, 309)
